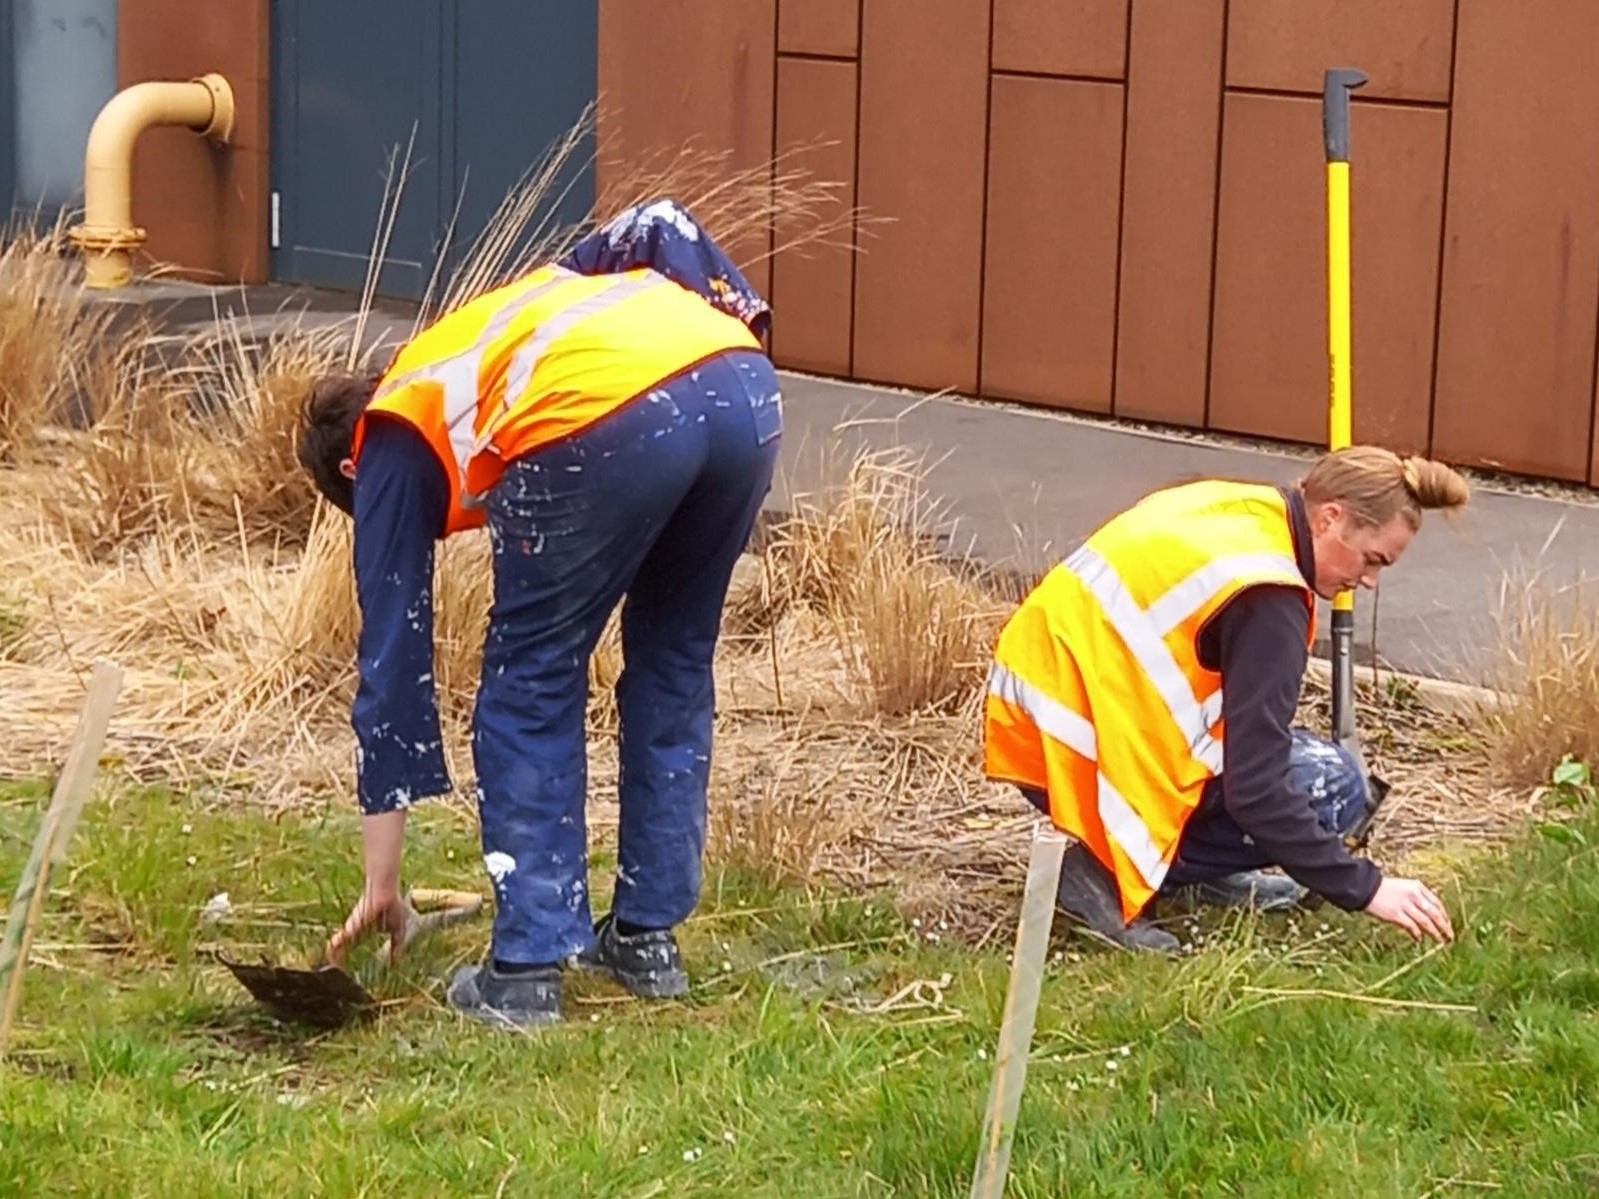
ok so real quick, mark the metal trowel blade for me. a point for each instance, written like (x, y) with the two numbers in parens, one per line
(324, 996)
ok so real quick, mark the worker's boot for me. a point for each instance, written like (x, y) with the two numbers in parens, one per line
(1252, 889)
(648, 963)
(522, 999)
(1088, 892)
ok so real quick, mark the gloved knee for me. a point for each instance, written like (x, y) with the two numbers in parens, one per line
(1328, 775)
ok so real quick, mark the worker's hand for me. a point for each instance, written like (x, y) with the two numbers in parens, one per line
(1413, 907)
(380, 907)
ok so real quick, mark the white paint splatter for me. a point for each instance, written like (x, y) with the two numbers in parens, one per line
(639, 218)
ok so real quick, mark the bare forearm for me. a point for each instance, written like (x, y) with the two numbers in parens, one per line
(383, 845)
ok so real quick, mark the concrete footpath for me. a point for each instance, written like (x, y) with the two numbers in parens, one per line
(1026, 486)
(1023, 486)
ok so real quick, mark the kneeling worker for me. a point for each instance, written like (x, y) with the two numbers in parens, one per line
(1180, 630)
(613, 420)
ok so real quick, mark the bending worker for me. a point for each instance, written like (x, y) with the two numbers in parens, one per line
(1179, 631)
(613, 420)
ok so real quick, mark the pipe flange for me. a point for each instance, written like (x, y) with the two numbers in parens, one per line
(105, 239)
(220, 127)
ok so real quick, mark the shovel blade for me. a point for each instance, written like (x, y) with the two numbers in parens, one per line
(326, 997)
(1377, 790)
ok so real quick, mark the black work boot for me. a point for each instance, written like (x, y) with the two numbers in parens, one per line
(1252, 889)
(1088, 892)
(524, 999)
(648, 964)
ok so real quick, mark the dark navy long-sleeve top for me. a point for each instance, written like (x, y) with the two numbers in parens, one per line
(402, 499)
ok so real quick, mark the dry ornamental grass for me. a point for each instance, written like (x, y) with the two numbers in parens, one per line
(175, 533)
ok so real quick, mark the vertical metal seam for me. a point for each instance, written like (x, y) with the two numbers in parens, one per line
(1443, 242)
(1215, 214)
(1121, 214)
(771, 171)
(982, 228)
(855, 187)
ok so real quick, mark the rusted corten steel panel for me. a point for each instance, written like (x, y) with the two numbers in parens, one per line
(1521, 260)
(1049, 280)
(923, 140)
(812, 286)
(1169, 210)
(829, 27)
(1061, 37)
(706, 76)
(1269, 357)
(1403, 46)
(209, 203)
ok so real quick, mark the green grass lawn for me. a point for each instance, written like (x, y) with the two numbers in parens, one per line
(1314, 1062)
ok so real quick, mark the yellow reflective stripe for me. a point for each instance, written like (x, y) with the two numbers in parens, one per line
(526, 360)
(1055, 720)
(498, 324)
(1048, 713)
(1123, 823)
(1185, 598)
(1144, 641)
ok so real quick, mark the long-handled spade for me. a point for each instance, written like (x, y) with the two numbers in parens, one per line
(1336, 86)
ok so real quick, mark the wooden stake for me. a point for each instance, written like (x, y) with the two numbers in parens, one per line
(55, 834)
(1021, 1011)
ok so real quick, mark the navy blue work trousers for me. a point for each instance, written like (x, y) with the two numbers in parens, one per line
(1321, 773)
(654, 503)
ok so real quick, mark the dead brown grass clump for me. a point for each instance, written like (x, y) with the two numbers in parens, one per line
(915, 627)
(49, 337)
(1546, 679)
(252, 395)
(194, 435)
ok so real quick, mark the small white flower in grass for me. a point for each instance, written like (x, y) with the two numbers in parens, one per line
(594, 1018)
(643, 1149)
(216, 908)
(1113, 1064)
(727, 966)
(982, 1055)
(692, 1155)
(729, 1137)
(192, 859)
(1127, 1050)
(1072, 1086)
(187, 829)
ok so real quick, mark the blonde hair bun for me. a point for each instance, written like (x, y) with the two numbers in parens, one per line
(1434, 484)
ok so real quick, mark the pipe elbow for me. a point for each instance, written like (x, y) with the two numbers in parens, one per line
(203, 105)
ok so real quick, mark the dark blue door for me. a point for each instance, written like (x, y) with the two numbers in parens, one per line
(479, 90)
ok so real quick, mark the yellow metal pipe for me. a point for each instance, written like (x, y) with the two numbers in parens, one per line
(108, 235)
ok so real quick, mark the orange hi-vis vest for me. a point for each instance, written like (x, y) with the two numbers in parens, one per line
(1096, 694)
(538, 360)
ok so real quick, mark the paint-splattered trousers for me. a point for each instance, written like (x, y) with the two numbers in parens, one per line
(655, 504)
(1321, 773)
